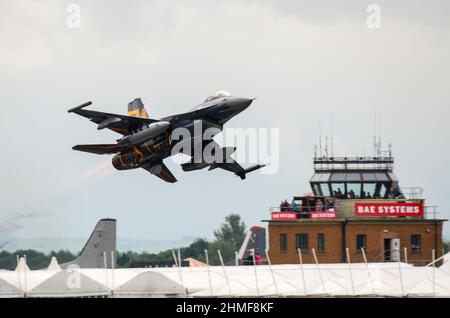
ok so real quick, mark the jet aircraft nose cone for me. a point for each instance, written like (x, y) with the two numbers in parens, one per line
(239, 103)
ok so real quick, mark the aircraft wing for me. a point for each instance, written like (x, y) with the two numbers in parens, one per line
(101, 149)
(161, 171)
(121, 124)
(236, 168)
(230, 164)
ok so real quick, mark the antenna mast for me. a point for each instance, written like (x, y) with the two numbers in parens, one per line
(332, 139)
(320, 137)
(379, 134)
(375, 136)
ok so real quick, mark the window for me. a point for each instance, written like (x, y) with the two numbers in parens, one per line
(383, 190)
(361, 242)
(354, 190)
(381, 177)
(369, 177)
(368, 190)
(338, 189)
(320, 177)
(338, 177)
(416, 243)
(353, 177)
(325, 189)
(316, 189)
(302, 241)
(321, 242)
(283, 242)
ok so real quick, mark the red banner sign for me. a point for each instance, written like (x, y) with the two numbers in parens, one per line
(389, 209)
(284, 216)
(323, 215)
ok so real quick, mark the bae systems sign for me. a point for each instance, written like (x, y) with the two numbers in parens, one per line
(284, 216)
(389, 209)
(323, 215)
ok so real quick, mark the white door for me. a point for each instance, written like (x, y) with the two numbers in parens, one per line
(395, 250)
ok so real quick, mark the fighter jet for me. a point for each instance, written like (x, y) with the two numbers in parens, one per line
(146, 142)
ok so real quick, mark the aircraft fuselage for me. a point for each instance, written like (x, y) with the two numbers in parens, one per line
(145, 147)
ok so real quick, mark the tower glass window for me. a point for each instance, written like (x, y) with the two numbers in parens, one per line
(361, 242)
(321, 242)
(302, 242)
(416, 243)
(283, 242)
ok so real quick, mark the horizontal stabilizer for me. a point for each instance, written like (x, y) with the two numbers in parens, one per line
(253, 168)
(190, 166)
(121, 124)
(243, 173)
(101, 149)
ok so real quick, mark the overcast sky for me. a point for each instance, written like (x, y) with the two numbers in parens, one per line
(304, 60)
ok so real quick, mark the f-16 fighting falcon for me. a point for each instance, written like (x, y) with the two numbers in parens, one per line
(146, 142)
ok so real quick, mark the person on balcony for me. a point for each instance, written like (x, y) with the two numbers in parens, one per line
(397, 193)
(284, 206)
(351, 194)
(318, 205)
(330, 206)
(294, 206)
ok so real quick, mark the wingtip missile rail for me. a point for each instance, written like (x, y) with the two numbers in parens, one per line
(79, 107)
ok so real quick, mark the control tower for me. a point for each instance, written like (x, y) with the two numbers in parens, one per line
(356, 204)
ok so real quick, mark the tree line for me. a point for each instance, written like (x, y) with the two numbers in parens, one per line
(228, 239)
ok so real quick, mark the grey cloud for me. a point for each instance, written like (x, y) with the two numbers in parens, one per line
(300, 59)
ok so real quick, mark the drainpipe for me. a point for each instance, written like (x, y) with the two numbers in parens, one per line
(436, 238)
(344, 239)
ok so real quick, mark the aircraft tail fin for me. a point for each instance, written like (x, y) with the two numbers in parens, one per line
(137, 109)
(254, 240)
(102, 240)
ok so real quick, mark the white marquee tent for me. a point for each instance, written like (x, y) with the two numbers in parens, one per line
(308, 280)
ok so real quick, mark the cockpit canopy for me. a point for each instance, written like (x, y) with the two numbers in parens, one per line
(218, 94)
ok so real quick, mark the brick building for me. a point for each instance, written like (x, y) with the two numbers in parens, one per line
(356, 204)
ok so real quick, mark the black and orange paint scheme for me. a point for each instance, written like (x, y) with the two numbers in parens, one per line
(146, 142)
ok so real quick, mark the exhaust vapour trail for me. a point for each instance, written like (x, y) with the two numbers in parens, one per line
(103, 169)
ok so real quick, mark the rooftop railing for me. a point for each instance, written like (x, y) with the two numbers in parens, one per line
(352, 163)
(430, 212)
(412, 193)
(353, 160)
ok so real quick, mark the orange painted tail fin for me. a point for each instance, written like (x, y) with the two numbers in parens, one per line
(137, 109)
